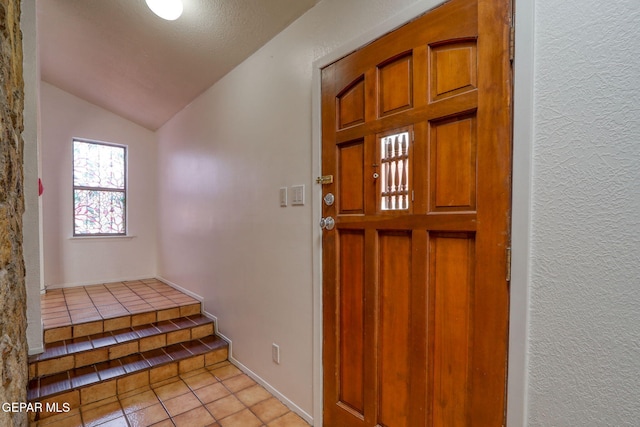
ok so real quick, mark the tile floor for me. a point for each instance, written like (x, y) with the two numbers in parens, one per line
(63, 307)
(218, 396)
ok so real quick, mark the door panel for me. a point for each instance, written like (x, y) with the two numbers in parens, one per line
(351, 177)
(453, 69)
(452, 183)
(451, 262)
(416, 132)
(351, 104)
(395, 85)
(394, 337)
(352, 320)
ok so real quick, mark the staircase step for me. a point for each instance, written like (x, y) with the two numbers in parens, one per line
(94, 382)
(104, 340)
(83, 329)
(63, 355)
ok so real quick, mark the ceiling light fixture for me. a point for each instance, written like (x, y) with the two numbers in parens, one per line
(166, 9)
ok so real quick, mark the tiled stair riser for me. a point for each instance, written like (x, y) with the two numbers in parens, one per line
(102, 389)
(113, 356)
(67, 354)
(108, 325)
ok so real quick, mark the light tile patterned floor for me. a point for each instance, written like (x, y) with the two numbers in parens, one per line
(219, 396)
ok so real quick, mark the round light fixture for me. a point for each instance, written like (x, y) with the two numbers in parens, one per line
(166, 9)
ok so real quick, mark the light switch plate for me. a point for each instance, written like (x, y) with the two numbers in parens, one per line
(297, 195)
(283, 196)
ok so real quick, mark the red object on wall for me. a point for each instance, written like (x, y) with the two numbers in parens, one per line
(40, 187)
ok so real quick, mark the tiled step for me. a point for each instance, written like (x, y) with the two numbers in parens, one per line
(109, 324)
(63, 355)
(104, 340)
(80, 386)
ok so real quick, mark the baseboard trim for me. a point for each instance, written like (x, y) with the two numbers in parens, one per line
(36, 350)
(94, 282)
(183, 290)
(282, 398)
(295, 408)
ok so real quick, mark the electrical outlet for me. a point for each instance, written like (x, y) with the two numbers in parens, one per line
(275, 353)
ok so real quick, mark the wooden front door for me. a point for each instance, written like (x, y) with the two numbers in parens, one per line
(417, 136)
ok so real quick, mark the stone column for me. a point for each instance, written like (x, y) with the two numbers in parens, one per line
(13, 320)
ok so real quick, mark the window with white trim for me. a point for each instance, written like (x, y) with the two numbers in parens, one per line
(99, 188)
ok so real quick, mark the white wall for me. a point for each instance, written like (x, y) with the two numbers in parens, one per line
(79, 261)
(31, 218)
(584, 348)
(222, 160)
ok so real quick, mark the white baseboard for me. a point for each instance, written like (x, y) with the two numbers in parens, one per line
(183, 290)
(94, 282)
(36, 350)
(295, 408)
(39, 345)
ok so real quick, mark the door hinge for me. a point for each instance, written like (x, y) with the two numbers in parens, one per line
(508, 264)
(325, 179)
(512, 43)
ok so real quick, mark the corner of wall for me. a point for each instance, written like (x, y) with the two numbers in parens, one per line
(517, 402)
(32, 217)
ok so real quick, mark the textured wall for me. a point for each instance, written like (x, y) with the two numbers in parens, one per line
(82, 261)
(13, 322)
(223, 159)
(585, 296)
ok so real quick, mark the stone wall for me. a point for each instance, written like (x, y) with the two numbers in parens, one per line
(13, 322)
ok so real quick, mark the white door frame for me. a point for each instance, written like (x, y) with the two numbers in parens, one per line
(521, 200)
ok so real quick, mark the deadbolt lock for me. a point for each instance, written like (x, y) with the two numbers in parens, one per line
(329, 199)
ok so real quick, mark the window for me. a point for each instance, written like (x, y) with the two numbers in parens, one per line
(99, 188)
(394, 159)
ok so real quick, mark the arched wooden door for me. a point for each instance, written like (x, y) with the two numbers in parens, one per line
(417, 136)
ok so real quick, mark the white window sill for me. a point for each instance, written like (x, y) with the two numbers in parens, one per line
(127, 237)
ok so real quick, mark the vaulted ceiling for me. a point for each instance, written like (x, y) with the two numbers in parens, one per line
(120, 56)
